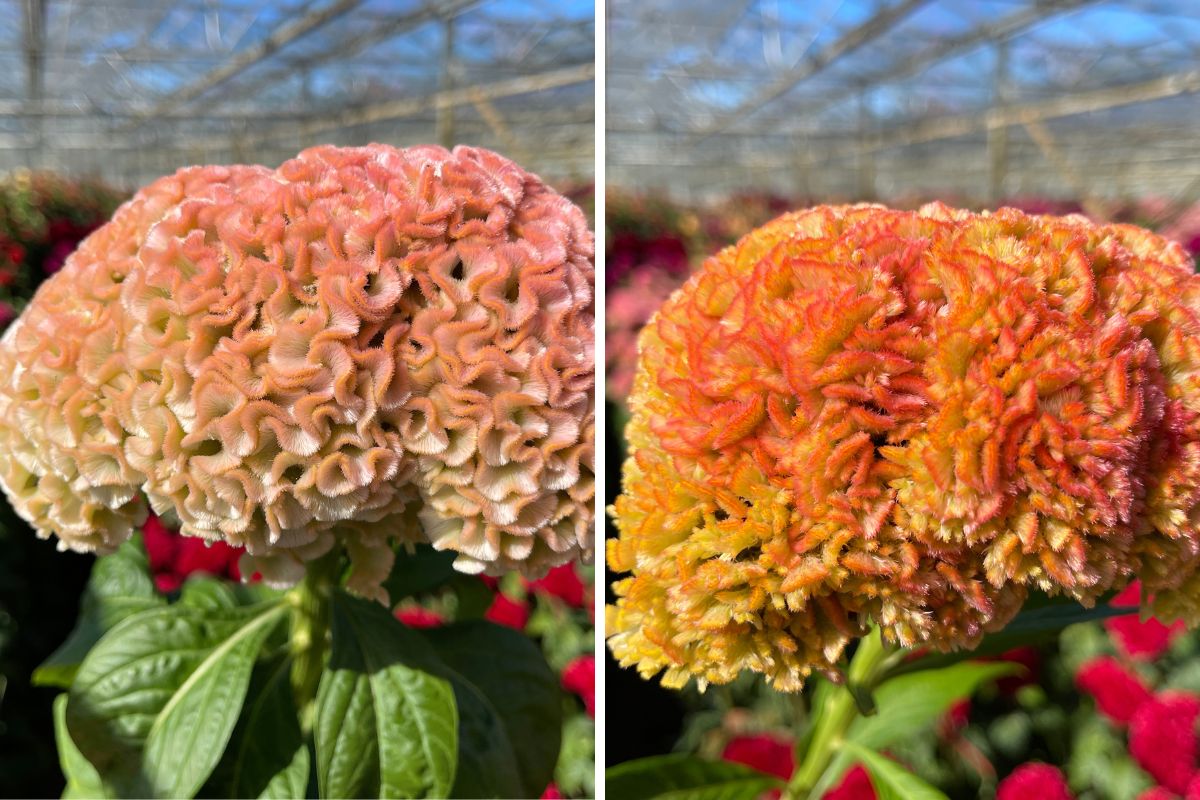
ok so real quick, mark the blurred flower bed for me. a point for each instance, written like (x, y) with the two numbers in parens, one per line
(1103, 711)
(43, 217)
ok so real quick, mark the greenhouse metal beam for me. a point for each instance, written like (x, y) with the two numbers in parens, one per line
(949, 127)
(1003, 28)
(20, 108)
(279, 38)
(35, 65)
(399, 109)
(378, 33)
(853, 39)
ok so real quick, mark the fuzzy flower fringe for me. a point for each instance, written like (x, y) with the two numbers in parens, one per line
(861, 415)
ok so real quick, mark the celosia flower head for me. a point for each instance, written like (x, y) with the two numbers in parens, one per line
(363, 346)
(858, 415)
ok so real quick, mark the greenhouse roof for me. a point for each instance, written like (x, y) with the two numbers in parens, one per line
(130, 89)
(866, 98)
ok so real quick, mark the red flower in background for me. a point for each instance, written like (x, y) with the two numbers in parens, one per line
(562, 582)
(856, 785)
(1034, 781)
(1117, 691)
(1141, 640)
(579, 677)
(955, 719)
(1156, 793)
(1162, 739)
(508, 612)
(764, 752)
(1028, 657)
(419, 617)
(173, 557)
(552, 793)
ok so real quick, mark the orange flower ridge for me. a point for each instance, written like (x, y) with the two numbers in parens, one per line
(364, 346)
(861, 415)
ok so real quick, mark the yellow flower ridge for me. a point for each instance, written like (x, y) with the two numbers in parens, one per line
(861, 415)
(363, 347)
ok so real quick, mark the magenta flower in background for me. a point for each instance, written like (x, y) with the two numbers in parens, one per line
(1137, 639)
(1162, 739)
(764, 752)
(1117, 691)
(579, 678)
(419, 617)
(508, 612)
(630, 307)
(1034, 781)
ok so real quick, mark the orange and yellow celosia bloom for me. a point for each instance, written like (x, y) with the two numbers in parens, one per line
(858, 415)
(361, 347)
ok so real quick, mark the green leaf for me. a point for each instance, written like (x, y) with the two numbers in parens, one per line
(82, 779)
(575, 775)
(290, 782)
(267, 755)
(193, 728)
(170, 681)
(686, 777)
(386, 724)
(119, 587)
(890, 780)
(908, 705)
(190, 733)
(472, 595)
(509, 706)
(420, 571)
(203, 592)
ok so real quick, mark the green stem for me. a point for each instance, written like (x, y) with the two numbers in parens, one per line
(309, 640)
(871, 660)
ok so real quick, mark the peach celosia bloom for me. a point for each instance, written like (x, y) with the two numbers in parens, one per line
(364, 346)
(861, 415)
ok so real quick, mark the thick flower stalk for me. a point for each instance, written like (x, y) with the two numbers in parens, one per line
(857, 415)
(362, 347)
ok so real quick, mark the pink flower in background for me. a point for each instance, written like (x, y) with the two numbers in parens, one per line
(58, 256)
(1185, 229)
(1117, 691)
(1034, 781)
(764, 752)
(552, 793)
(1162, 739)
(856, 785)
(579, 677)
(508, 612)
(628, 308)
(1156, 793)
(7, 314)
(1141, 640)
(418, 617)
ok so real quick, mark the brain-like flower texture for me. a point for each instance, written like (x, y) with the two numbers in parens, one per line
(363, 347)
(858, 415)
